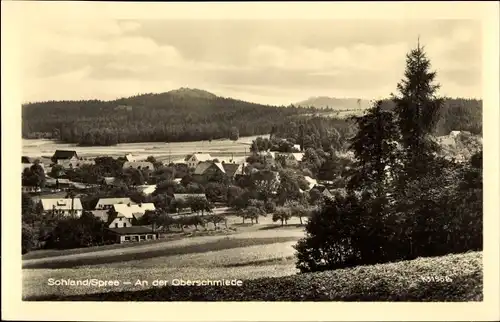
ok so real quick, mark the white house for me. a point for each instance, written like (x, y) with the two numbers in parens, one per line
(312, 182)
(193, 160)
(107, 203)
(120, 221)
(64, 207)
(133, 211)
(147, 189)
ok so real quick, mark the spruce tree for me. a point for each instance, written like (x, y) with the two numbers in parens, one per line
(417, 111)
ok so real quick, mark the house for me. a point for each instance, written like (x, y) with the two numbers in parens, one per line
(133, 211)
(73, 164)
(297, 147)
(193, 160)
(292, 159)
(147, 189)
(119, 222)
(312, 182)
(139, 165)
(58, 183)
(64, 155)
(130, 158)
(112, 181)
(101, 214)
(208, 170)
(64, 207)
(231, 169)
(131, 234)
(107, 203)
(27, 160)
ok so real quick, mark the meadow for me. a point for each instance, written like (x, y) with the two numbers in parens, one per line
(161, 151)
(252, 251)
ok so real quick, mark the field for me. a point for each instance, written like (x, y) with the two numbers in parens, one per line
(161, 151)
(253, 251)
(422, 279)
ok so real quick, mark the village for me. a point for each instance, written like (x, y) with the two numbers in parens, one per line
(180, 189)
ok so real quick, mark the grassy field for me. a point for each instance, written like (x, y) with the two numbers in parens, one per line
(176, 150)
(401, 281)
(253, 251)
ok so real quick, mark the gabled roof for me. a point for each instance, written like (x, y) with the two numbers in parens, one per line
(102, 214)
(129, 157)
(114, 201)
(202, 167)
(138, 165)
(231, 168)
(131, 230)
(312, 182)
(184, 196)
(61, 204)
(132, 211)
(298, 156)
(64, 154)
(26, 160)
(201, 156)
(147, 189)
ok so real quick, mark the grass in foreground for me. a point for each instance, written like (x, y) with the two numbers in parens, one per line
(161, 252)
(401, 281)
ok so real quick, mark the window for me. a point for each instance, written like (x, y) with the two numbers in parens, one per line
(143, 237)
(150, 237)
(127, 238)
(124, 224)
(116, 225)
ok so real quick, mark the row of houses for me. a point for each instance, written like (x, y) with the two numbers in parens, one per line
(121, 227)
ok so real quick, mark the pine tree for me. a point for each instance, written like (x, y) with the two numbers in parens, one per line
(417, 109)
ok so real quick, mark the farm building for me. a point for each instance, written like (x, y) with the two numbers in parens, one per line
(193, 160)
(64, 207)
(131, 234)
(107, 203)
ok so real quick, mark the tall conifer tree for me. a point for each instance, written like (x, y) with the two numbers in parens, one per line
(417, 110)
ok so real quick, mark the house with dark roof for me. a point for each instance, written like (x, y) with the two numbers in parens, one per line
(64, 155)
(208, 170)
(122, 235)
(107, 203)
(232, 169)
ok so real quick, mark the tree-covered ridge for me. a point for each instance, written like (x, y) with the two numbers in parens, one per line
(180, 115)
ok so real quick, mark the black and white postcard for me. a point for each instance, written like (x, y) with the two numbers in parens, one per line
(261, 154)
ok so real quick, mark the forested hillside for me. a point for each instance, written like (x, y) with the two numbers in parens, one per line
(191, 114)
(460, 114)
(176, 116)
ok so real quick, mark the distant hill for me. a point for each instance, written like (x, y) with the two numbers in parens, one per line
(335, 103)
(192, 92)
(176, 116)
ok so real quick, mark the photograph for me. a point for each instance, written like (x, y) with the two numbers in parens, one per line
(192, 159)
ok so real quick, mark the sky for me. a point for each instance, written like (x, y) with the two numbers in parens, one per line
(266, 61)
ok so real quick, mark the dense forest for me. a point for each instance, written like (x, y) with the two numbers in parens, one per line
(192, 115)
(166, 117)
